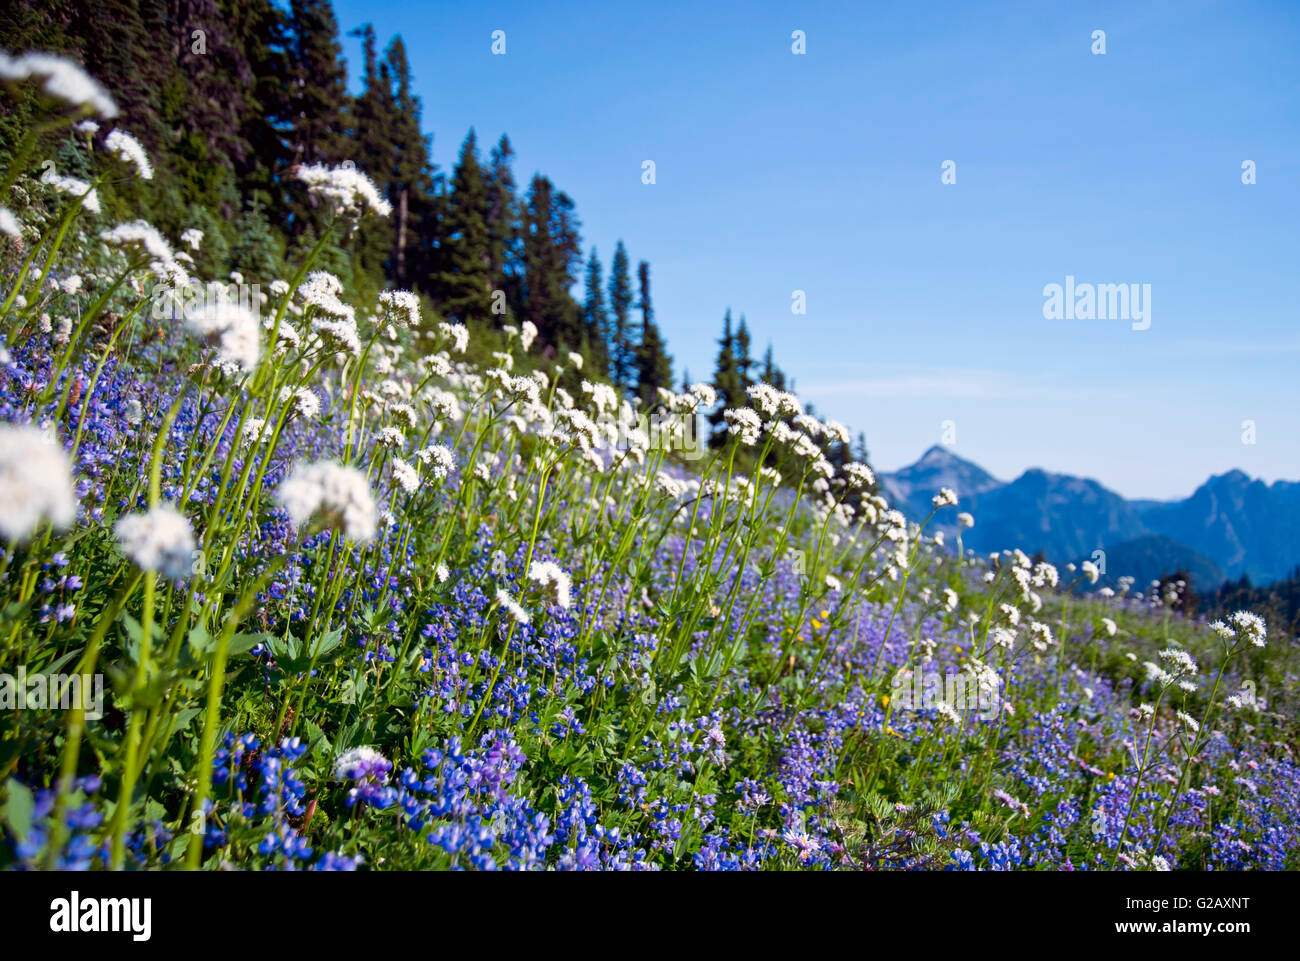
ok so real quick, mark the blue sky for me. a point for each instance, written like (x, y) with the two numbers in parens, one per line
(821, 173)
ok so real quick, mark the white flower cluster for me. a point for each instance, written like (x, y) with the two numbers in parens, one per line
(141, 236)
(9, 223)
(232, 330)
(159, 540)
(1179, 668)
(457, 333)
(355, 761)
(551, 577)
(73, 188)
(35, 483)
(773, 402)
(859, 476)
(946, 497)
(406, 476)
(402, 305)
(129, 149)
(511, 606)
(744, 423)
(1249, 627)
(60, 80)
(331, 495)
(345, 188)
(438, 459)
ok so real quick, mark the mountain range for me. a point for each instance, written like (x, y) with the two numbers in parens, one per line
(1232, 525)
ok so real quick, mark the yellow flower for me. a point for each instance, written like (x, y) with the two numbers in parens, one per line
(816, 623)
(884, 700)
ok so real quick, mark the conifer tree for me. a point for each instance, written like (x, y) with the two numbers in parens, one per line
(744, 363)
(771, 374)
(410, 178)
(257, 251)
(595, 320)
(622, 350)
(316, 107)
(466, 282)
(654, 368)
(726, 382)
(504, 233)
(372, 129)
(261, 30)
(551, 255)
(318, 84)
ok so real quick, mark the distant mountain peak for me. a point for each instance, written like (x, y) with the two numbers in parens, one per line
(1235, 476)
(939, 457)
(938, 467)
(1232, 524)
(936, 452)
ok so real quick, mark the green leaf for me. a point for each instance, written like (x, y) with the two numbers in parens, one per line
(317, 742)
(242, 643)
(59, 662)
(327, 642)
(19, 808)
(184, 717)
(200, 640)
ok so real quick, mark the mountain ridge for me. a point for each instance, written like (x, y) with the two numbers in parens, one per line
(1231, 525)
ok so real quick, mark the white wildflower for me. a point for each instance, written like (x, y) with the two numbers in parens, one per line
(358, 762)
(1188, 721)
(139, 235)
(345, 188)
(232, 329)
(551, 577)
(859, 475)
(406, 476)
(744, 423)
(402, 305)
(331, 495)
(73, 188)
(946, 497)
(512, 607)
(1250, 626)
(438, 458)
(129, 149)
(458, 333)
(159, 540)
(35, 483)
(61, 79)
